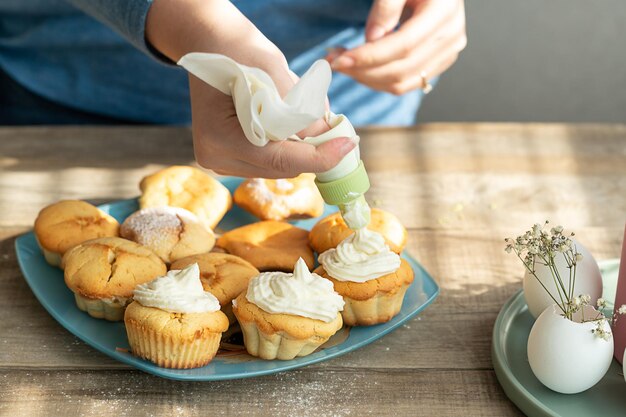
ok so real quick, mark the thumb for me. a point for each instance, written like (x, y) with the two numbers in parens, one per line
(383, 18)
(292, 158)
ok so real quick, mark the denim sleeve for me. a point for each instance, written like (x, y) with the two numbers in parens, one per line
(126, 17)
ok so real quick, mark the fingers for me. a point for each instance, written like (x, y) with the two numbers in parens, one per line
(427, 18)
(290, 158)
(397, 76)
(383, 18)
(417, 82)
(315, 129)
(284, 159)
(435, 53)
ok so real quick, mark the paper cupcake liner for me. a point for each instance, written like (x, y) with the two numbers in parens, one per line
(379, 309)
(277, 345)
(101, 309)
(228, 310)
(52, 258)
(169, 352)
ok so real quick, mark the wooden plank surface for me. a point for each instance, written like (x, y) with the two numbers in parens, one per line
(458, 188)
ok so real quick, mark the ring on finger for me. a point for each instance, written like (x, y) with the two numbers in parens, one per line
(427, 87)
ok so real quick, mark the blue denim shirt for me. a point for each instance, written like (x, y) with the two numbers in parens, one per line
(91, 55)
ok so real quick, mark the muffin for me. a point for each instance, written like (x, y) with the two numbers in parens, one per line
(173, 322)
(223, 275)
(189, 188)
(332, 230)
(170, 232)
(269, 245)
(285, 315)
(102, 274)
(63, 225)
(281, 199)
(370, 277)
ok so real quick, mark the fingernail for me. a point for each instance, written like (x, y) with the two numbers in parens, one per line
(342, 62)
(336, 50)
(375, 33)
(332, 53)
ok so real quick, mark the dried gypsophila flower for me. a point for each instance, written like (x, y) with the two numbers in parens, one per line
(600, 332)
(600, 318)
(538, 246)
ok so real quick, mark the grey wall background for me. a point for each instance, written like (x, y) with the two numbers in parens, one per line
(537, 60)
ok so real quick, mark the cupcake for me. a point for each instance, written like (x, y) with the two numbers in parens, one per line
(63, 225)
(269, 245)
(285, 315)
(189, 188)
(223, 275)
(332, 230)
(281, 199)
(170, 232)
(173, 322)
(102, 274)
(370, 277)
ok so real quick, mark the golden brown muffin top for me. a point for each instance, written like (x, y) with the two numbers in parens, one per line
(296, 327)
(331, 230)
(223, 275)
(65, 224)
(361, 291)
(189, 188)
(110, 267)
(269, 245)
(170, 232)
(280, 199)
(185, 326)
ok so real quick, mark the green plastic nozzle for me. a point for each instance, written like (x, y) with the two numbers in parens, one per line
(347, 193)
(346, 189)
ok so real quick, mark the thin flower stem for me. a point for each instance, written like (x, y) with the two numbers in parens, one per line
(555, 272)
(570, 287)
(541, 283)
(556, 284)
(574, 266)
(582, 312)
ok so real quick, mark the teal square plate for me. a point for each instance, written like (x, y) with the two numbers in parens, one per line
(48, 286)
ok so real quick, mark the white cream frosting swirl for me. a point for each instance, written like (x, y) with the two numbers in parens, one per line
(179, 291)
(356, 213)
(301, 293)
(360, 257)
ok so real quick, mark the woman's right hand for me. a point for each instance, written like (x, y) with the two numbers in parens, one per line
(177, 27)
(220, 144)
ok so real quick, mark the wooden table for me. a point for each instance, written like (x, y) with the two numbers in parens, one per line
(459, 188)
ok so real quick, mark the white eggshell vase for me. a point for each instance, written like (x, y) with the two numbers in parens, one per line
(564, 354)
(588, 281)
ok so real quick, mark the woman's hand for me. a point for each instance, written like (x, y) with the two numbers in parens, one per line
(177, 27)
(430, 35)
(220, 144)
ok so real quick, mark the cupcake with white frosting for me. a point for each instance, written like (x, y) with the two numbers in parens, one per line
(284, 315)
(173, 322)
(370, 277)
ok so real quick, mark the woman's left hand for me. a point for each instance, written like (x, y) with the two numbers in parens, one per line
(430, 35)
